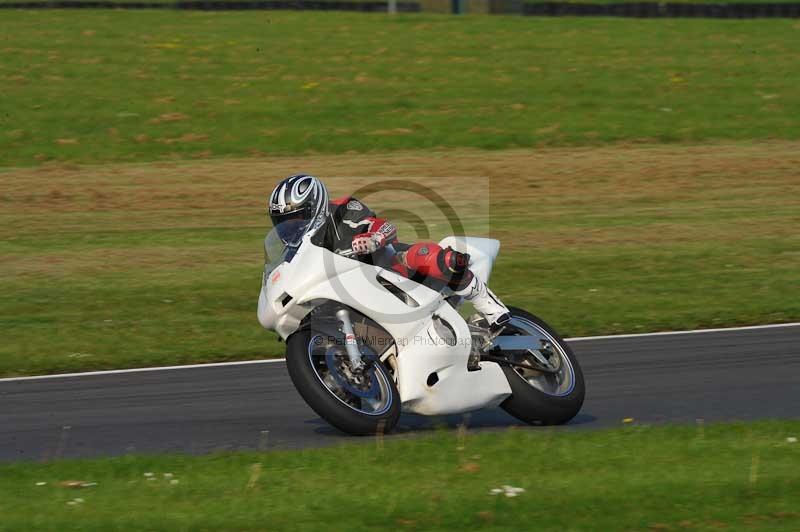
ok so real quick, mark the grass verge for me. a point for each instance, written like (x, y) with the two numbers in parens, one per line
(157, 264)
(104, 86)
(601, 2)
(737, 476)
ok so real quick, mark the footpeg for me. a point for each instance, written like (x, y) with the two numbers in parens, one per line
(474, 361)
(499, 323)
(480, 340)
(483, 335)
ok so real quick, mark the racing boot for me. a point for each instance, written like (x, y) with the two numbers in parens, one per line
(485, 302)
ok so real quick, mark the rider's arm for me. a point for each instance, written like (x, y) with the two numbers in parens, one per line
(380, 232)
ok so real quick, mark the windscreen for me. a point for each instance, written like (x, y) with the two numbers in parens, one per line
(282, 242)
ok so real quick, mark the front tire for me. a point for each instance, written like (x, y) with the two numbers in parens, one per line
(538, 398)
(360, 404)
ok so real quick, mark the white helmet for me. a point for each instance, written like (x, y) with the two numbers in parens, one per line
(298, 206)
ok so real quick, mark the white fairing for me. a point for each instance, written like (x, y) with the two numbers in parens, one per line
(315, 275)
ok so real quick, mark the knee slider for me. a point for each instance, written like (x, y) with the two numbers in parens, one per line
(453, 261)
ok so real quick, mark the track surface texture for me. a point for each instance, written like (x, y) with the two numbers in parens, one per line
(714, 376)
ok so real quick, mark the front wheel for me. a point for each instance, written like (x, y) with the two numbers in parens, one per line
(537, 397)
(356, 402)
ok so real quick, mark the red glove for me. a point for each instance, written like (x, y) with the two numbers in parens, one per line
(368, 243)
(380, 233)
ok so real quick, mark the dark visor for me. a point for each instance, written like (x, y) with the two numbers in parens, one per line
(290, 226)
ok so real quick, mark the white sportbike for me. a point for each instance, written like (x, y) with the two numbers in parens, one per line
(364, 343)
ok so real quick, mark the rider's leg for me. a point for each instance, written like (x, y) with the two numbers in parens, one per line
(485, 302)
(429, 259)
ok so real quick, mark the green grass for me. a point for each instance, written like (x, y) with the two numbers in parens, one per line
(601, 2)
(122, 265)
(125, 266)
(173, 2)
(101, 86)
(735, 476)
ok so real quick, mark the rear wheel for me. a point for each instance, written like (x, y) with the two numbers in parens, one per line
(356, 402)
(538, 397)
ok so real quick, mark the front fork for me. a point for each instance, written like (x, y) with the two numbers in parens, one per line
(350, 342)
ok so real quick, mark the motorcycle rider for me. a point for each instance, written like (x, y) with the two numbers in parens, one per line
(346, 226)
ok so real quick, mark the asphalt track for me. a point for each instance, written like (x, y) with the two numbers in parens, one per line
(718, 375)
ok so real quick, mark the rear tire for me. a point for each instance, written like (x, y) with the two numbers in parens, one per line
(307, 370)
(529, 404)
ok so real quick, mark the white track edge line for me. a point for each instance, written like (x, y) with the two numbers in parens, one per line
(140, 370)
(674, 333)
(271, 360)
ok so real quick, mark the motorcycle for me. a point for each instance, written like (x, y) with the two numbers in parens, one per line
(364, 343)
